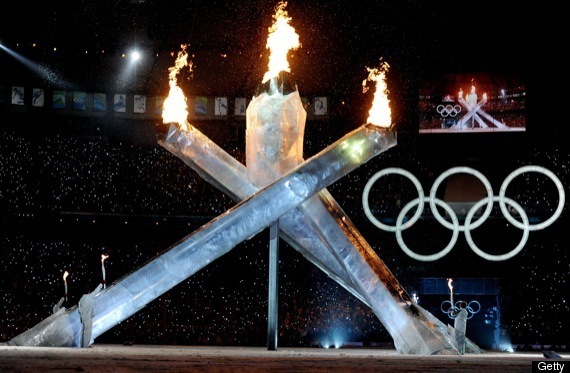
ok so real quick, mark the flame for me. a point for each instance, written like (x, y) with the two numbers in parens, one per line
(175, 108)
(65, 274)
(449, 281)
(282, 37)
(380, 113)
(485, 96)
(460, 93)
(103, 257)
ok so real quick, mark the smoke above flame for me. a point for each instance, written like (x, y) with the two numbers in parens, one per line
(380, 113)
(282, 38)
(175, 109)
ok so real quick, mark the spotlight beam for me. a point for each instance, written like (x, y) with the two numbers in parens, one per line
(40, 70)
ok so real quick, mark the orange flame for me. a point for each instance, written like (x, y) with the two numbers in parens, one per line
(449, 281)
(65, 274)
(103, 257)
(460, 93)
(485, 96)
(175, 108)
(282, 37)
(380, 113)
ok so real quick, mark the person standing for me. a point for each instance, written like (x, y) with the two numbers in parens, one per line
(461, 326)
(86, 314)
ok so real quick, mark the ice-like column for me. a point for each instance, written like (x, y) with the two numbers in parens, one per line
(303, 228)
(473, 109)
(478, 111)
(275, 123)
(130, 294)
(408, 325)
(275, 131)
(470, 346)
(214, 165)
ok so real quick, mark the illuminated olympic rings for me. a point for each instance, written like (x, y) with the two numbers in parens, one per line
(448, 110)
(468, 225)
(473, 307)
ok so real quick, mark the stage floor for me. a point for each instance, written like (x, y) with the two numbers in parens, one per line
(120, 358)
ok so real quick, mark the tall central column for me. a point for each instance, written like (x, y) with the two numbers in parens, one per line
(274, 145)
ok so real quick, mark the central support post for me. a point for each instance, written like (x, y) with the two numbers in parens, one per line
(275, 121)
(272, 311)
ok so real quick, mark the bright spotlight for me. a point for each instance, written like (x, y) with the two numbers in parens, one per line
(43, 71)
(135, 56)
(507, 347)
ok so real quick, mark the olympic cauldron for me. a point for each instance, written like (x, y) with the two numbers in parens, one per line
(318, 228)
(276, 185)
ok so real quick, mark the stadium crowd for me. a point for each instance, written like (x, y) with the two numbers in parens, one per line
(59, 176)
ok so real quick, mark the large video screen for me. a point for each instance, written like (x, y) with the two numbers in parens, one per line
(472, 103)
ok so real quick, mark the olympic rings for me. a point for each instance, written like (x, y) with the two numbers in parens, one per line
(448, 110)
(544, 171)
(456, 170)
(371, 182)
(468, 225)
(453, 309)
(513, 252)
(427, 258)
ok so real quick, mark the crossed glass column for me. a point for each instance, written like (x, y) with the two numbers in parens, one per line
(335, 244)
(320, 230)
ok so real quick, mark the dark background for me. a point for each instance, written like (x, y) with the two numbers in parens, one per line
(72, 188)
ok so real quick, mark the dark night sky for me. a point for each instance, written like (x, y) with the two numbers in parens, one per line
(339, 39)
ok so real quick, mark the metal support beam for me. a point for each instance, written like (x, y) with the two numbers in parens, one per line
(273, 303)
